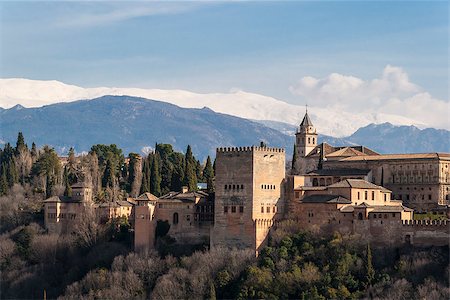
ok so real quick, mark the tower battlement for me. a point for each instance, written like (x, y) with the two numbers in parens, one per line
(424, 223)
(249, 149)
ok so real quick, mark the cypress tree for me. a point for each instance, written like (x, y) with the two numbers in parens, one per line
(155, 180)
(109, 174)
(190, 177)
(145, 187)
(3, 181)
(370, 272)
(198, 171)
(294, 157)
(67, 187)
(49, 186)
(208, 174)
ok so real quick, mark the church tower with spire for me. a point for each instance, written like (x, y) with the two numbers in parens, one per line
(306, 137)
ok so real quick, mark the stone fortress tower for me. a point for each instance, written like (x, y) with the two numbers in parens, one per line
(249, 195)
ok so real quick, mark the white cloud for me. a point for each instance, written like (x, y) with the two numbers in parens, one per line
(112, 12)
(391, 93)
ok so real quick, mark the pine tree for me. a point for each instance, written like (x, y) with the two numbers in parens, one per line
(155, 179)
(208, 174)
(20, 145)
(294, 157)
(370, 272)
(34, 151)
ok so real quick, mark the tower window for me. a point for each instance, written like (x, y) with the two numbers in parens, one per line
(233, 209)
(241, 209)
(309, 140)
(314, 140)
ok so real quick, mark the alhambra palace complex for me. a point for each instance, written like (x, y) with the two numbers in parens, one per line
(352, 190)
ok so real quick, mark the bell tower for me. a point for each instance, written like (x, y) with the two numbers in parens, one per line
(306, 137)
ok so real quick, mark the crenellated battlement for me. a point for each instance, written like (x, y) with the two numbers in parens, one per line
(248, 149)
(442, 223)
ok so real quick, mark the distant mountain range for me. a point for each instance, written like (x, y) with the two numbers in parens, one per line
(331, 120)
(136, 124)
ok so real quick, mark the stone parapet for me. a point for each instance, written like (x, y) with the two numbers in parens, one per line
(249, 149)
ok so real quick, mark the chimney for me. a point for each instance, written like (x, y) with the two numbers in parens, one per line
(184, 189)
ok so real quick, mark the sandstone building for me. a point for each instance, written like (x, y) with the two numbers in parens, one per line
(249, 195)
(421, 181)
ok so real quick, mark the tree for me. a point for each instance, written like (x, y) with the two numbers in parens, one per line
(370, 272)
(145, 186)
(134, 174)
(67, 187)
(3, 181)
(294, 158)
(190, 177)
(20, 145)
(34, 152)
(208, 174)
(109, 176)
(155, 178)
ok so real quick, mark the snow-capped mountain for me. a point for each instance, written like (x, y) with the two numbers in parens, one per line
(36, 93)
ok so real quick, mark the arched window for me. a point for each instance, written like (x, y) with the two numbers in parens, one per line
(315, 182)
(314, 140)
(175, 218)
(322, 181)
(360, 216)
(309, 140)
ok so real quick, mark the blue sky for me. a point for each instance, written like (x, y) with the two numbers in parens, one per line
(261, 47)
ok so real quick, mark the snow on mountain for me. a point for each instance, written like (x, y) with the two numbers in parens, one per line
(36, 93)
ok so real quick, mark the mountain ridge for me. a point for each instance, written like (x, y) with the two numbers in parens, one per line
(237, 103)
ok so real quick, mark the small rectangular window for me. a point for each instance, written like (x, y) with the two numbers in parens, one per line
(262, 209)
(373, 195)
(365, 195)
(241, 209)
(225, 209)
(233, 209)
(268, 209)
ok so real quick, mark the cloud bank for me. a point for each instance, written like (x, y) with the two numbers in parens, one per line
(391, 93)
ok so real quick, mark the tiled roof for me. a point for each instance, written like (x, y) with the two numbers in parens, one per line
(326, 150)
(147, 196)
(357, 183)
(347, 151)
(61, 199)
(396, 208)
(339, 172)
(399, 156)
(325, 199)
(124, 203)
